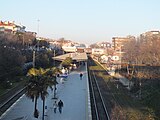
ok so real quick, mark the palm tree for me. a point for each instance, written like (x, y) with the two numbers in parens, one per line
(39, 81)
(46, 82)
(33, 89)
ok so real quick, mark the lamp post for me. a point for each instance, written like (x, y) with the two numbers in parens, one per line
(34, 53)
(43, 106)
(55, 88)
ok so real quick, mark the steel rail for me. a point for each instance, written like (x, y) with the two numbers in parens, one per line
(11, 100)
(101, 97)
(93, 94)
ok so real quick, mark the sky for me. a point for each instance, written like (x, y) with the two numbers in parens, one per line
(83, 21)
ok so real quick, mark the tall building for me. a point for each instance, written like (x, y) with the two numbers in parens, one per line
(119, 46)
(150, 36)
(150, 33)
(118, 42)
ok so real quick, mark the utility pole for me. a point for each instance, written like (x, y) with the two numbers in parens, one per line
(34, 53)
(54, 56)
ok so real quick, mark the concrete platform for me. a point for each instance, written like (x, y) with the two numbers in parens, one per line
(72, 91)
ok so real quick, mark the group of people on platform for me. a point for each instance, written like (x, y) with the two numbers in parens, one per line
(58, 105)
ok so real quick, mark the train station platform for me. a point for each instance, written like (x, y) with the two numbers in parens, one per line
(74, 93)
(75, 56)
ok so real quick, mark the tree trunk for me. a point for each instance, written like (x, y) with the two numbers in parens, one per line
(35, 104)
(36, 114)
(43, 108)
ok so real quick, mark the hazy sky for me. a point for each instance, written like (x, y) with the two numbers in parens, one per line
(85, 21)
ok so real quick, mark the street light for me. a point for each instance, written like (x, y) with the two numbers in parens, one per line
(34, 53)
(55, 89)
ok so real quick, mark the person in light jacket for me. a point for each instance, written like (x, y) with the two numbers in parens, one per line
(55, 105)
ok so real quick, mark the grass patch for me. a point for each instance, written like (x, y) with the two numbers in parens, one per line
(2, 90)
(15, 82)
(95, 68)
(132, 108)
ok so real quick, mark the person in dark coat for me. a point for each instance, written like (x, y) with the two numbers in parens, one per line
(60, 105)
(81, 75)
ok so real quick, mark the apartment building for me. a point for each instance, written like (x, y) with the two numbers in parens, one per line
(118, 42)
(119, 46)
(149, 36)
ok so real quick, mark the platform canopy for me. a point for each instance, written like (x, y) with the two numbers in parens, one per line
(75, 56)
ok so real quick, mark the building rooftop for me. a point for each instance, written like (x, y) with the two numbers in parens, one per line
(75, 56)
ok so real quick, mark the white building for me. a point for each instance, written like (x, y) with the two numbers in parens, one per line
(98, 51)
(8, 26)
(104, 58)
(73, 47)
(115, 58)
(69, 48)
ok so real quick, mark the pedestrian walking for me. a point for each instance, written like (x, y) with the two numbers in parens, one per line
(60, 105)
(81, 75)
(55, 105)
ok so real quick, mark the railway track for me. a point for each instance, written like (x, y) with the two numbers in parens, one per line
(12, 100)
(99, 109)
(106, 99)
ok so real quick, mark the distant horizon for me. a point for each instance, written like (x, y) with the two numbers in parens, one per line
(78, 41)
(84, 21)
